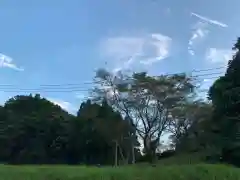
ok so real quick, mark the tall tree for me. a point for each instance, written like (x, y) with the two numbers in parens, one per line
(115, 130)
(146, 101)
(3, 135)
(35, 130)
(225, 96)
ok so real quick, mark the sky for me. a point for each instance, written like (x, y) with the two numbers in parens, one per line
(47, 45)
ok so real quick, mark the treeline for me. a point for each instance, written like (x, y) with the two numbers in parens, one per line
(36, 131)
(126, 112)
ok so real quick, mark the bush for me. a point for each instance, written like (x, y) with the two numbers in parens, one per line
(179, 159)
(187, 172)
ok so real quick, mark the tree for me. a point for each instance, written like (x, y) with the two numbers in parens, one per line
(34, 130)
(190, 126)
(116, 131)
(107, 130)
(96, 148)
(225, 97)
(146, 101)
(3, 136)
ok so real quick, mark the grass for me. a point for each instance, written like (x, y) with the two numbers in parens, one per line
(171, 172)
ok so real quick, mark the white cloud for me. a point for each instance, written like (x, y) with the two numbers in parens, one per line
(6, 61)
(161, 44)
(199, 31)
(125, 52)
(63, 104)
(210, 21)
(221, 56)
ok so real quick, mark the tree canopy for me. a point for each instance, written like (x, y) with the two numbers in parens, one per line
(34, 130)
(225, 96)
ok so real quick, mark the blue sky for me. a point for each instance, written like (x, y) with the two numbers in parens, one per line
(64, 42)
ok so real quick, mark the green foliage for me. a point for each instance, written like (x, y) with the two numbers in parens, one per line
(146, 101)
(189, 127)
(184, 172)
(36, 131)
(225, 96)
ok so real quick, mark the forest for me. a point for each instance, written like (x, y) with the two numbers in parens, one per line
(125, 120)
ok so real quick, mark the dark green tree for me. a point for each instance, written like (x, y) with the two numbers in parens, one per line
(36, 131)
(225, 96)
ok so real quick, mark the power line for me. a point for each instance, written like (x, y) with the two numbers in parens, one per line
(168, 74)
(222, 67)
(208, 74)
(47, 91)
(195, 71)
(79, 88)
(70, 89)
(53, 86)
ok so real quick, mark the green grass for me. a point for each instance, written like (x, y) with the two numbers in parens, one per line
(172, 172)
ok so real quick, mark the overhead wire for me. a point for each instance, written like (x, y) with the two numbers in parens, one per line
(78, 87)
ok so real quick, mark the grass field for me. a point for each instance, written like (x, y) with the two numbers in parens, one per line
(185, 172)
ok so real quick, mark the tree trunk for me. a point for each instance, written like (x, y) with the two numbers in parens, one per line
(149, 150)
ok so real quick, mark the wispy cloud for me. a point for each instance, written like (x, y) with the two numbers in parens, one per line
(199, 31)
(209, 20)
(6, 61)
(221, 56)
(126, 52)
(64, 105)
(161, 44)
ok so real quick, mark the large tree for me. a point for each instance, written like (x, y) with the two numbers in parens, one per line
(107, 129)
(34, 130)
(146, 101)
(225, 96)
(116, 131)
